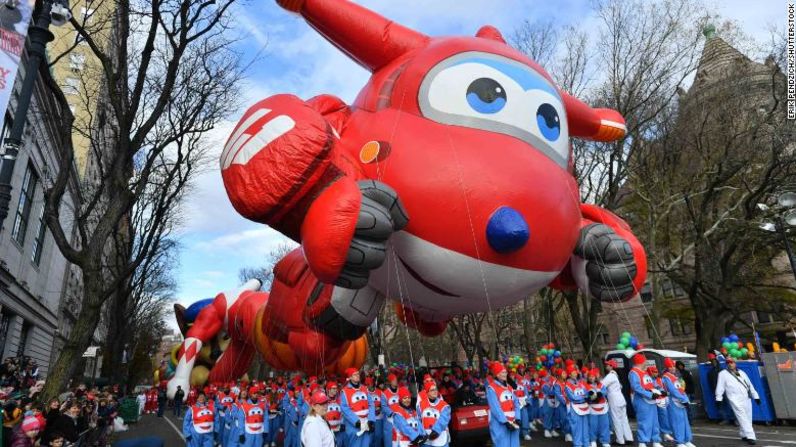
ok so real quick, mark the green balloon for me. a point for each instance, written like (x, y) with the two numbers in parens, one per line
(620, 346)
(626, 335)
(625, 341)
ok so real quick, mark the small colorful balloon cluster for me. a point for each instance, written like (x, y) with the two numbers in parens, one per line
(732, 346)
(628, 341)
(547, 357)
(514, 362)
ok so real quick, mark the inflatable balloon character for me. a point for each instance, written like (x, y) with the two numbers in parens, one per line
(447, 186)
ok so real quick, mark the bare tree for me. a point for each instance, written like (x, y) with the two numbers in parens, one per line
(727, 148)
(166, 74)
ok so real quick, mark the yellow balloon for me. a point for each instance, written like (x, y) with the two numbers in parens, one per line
(199, 375)
(156, 376)
(775, 346)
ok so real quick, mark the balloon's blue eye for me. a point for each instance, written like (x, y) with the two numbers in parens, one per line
(486, 95)
(548, 121)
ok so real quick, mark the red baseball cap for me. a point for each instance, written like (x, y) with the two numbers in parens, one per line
(350, 372)
(612, 363)
(319, 398)
(403, 392)
(391, 377)
(639, 359)
(668, 363)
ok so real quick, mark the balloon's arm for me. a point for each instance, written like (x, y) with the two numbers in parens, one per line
(593, 124)
(565, 281)
(206, 326)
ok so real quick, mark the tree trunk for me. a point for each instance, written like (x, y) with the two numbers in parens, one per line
(79, 339)
(584, 317)
(710, 327)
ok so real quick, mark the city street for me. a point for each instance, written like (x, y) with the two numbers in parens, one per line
(705, 434)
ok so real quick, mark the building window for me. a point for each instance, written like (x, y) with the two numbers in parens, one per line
(77, 61)
(25, 201)
(646, 293)
(679, 327)
(71, 86)
(23, 339)
(5, 323)
(650, 327)
(6, 129)
(38, 243)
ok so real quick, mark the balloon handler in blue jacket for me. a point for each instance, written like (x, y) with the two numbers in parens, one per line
(359, 414)
(292, 405)
(504, 409)
(198, 424)
(644, 394)
(250, 421)
(678, 405)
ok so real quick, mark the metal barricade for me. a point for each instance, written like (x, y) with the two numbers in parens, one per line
(781, 374)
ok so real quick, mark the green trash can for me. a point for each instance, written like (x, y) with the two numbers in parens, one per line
(128, 410)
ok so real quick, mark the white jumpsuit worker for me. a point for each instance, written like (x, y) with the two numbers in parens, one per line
(740, 393)
(617, 405)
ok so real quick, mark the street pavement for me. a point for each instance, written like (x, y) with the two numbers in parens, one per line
(706, 434)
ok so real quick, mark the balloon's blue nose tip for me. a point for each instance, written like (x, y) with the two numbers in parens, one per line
(507, 230)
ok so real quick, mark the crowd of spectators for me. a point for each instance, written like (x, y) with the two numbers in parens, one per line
(81, 417)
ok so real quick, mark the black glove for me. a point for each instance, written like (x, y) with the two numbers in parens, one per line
(757, 401)
(241, 439)
(371, 426)
(433, 435)
(419, 440)
(599, 394)
(664, 394)
(358, 425)
(510, 426)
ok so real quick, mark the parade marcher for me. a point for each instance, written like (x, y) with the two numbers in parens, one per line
(179, 400)
(578, 409)
(503, 409)
(740, 393)
(141, 400)
(291, 410)
(334, 415)
(407, 428)
(549, 407)
(198, 427)
(274, 423)
(358, 411)
(377, 435)
(617, 405)
(250, 421)
(435, 415)
(561, 415)
(725, 412)
(224, 404)
(389, 400)
(599, 421)
(192, 395)
(534, 392)
(520, 391)
(662, 401)
(688, 381)
(162, 400)
(316, 432)
(643, 394)
(678, 403)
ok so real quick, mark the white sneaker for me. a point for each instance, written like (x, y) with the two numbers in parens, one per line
(657, 444)
(668, 437)
(527, 437)
(642, 444)
(680, 445)
(606, 445)
(555, 434)
(689, 444)
(593, 444)
(547, 434)
(568, 438)
(273, 444)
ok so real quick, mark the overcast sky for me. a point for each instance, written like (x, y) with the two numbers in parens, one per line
(292, 58)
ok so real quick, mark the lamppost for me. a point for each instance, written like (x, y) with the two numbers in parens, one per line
(784, 219)
(51, 12)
